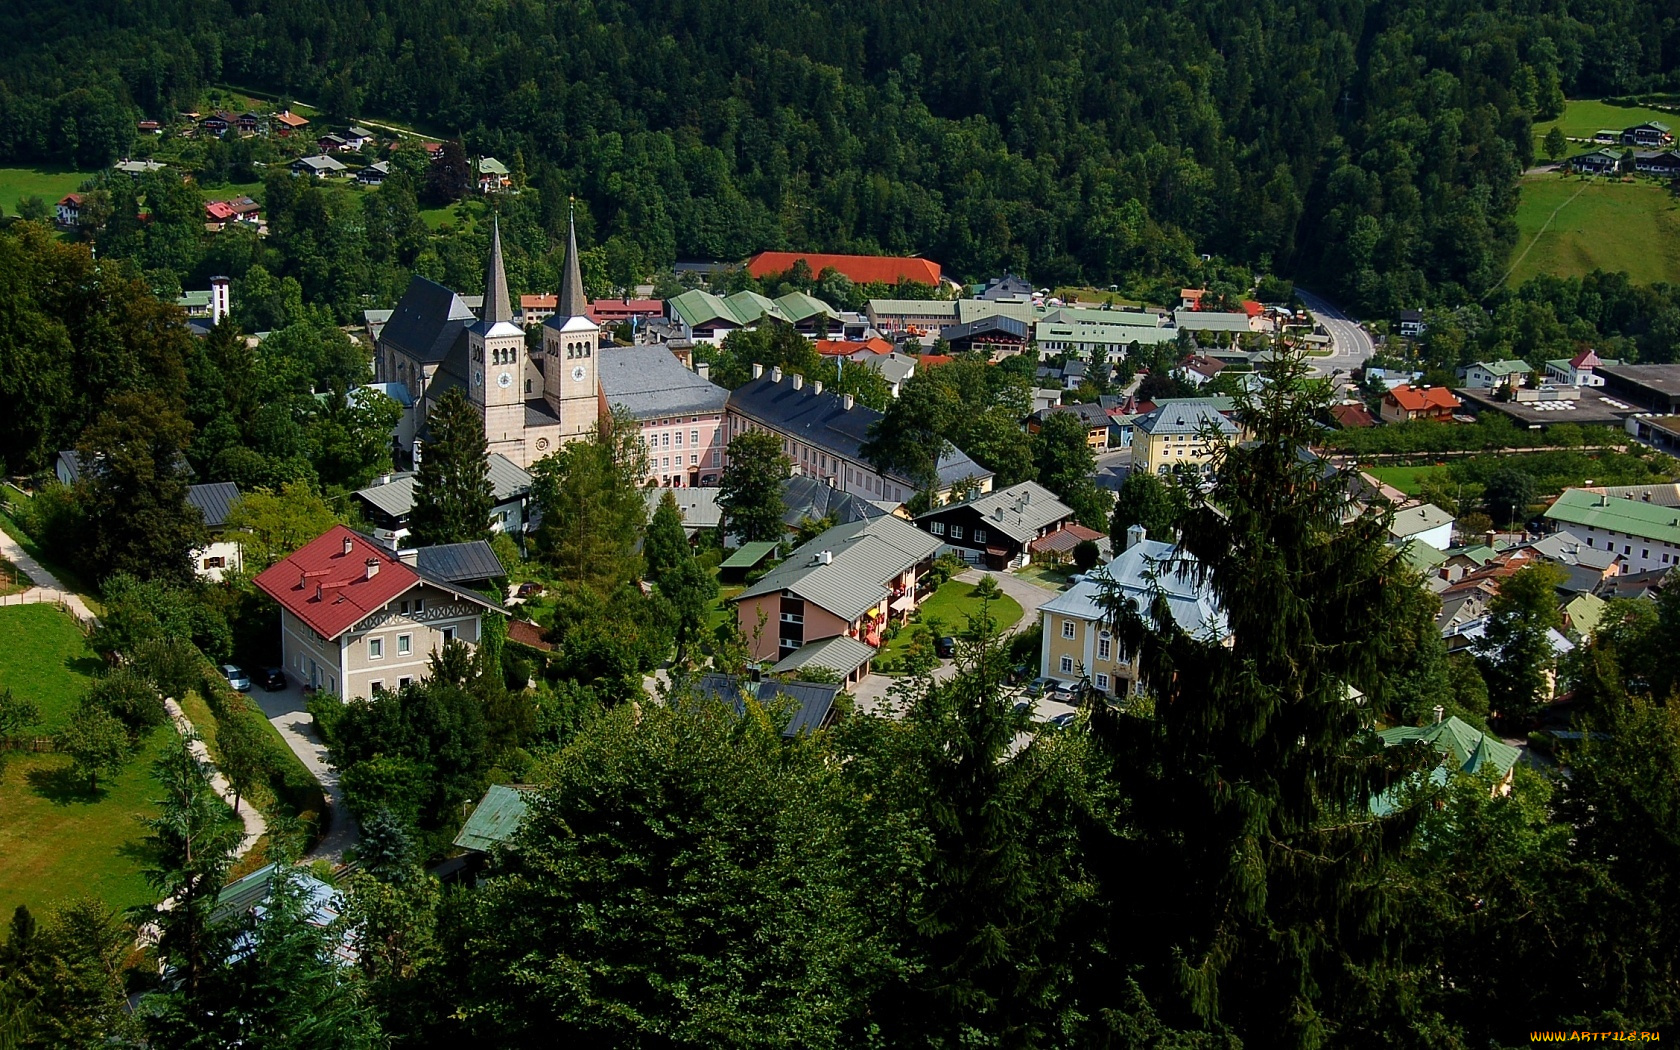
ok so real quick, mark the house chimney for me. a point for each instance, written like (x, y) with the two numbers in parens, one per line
(372, 568)
(758, 369)
(816, 386)
(349, 545)
(703, 369)
(317, 592)
(825, 558)
(847, 401)
(409, 556)
(1439, 712)
(798, 381)
(1135, 535)
(776, 374)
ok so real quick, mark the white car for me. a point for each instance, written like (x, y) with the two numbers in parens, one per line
(236, 679)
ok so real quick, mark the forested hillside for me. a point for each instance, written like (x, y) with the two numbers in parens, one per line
(1371, 146)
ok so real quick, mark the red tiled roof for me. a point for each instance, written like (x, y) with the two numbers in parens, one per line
(846, 348)
(72, 198)
(1585, 359)
(1191, 293)
(346, 592)
(1252, 308)
(220, 211)
(526, 633)
(1413, 400)
(538, 302)
(1064, 539)
(291, 120)
(862, 269)
(1352, 417)
(602, 309)
(933, 360)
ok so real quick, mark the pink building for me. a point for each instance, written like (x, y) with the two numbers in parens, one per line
(681, 414)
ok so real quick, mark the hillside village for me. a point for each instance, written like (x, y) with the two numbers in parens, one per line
(385, 573)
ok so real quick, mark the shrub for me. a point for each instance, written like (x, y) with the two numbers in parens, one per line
(129, 698)
(328, 711)
(173, 665)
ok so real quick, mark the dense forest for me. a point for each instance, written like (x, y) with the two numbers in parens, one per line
(1371, 147)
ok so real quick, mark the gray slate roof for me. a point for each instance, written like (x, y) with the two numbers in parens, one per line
(1413, 520)
(808, 497)
(1018, 511)
(812, 701)
(1187, 417)
(396, 497)
(698, 506)
(841, 654)
(213, 501)
(650, 382)
(1137, 571)
(428, 321)
(822, 420)
(865, 556)
(459, 562)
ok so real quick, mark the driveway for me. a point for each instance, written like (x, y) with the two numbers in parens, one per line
(285, 708)
(1350, 345)
(873, 694)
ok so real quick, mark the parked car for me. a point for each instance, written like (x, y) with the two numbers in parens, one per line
(945, 647)
(273, 679)
(1062, 721)
(236, 679)
(1041, 686)
(530, 590)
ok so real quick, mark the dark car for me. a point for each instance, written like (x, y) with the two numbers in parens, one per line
(530, 590)
(945, 647)
(272, 678)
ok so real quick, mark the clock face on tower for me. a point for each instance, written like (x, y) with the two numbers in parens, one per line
(577, 374)
(504, 380)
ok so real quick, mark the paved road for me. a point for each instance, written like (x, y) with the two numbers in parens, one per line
(873, 694)
(255, 826)
(1351, 345)
(285, 708)
(1112, 468)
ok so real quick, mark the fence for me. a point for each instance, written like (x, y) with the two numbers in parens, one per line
(40, 744)
(45, 596)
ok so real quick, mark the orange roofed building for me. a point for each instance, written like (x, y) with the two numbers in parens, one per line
(861, 269)
(1406, 402)
(855, 350)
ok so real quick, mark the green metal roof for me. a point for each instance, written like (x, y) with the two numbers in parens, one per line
(1463, 746)
(1584, 612)
(491, 166)
(1629, 517)
(1506, 368)
(1422, 557)
(797, 306)
(495, 820)
(748, 555)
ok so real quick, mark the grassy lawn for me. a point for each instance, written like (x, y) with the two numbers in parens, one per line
(722, 612)
(44, 660)
(1602, 224)
(1054, 577)
(952, 605)
(57, 840)
(1407, 479)
(232, 191)
(12, 578)
(1093, 295)
(1584, 116)
(47, 181)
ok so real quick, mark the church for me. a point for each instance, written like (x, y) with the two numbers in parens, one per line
(531, 402)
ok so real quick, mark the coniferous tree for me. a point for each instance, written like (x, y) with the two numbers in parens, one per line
(1248, 866)
(666, 543)
(452, 492)
(750, 491)
(1147, 500)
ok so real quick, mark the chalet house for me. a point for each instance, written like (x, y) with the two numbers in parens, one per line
(1598, 162)
(848, 582)
(493, 175)
(149, 127)
(217, 214)
(1649, 134)
(374, 174)
(1494, 375)
(1411, 323)
(248, 123)
(217, 123)
(997, 336)
(1406, 402)
(330, 143)
(224, 552)
(356, 137)
(355, 617)
(246, 210)
(1661, 163)
(1191, 298)
(322, 167)
(1352, 416)
(997, 528)
(289, 122)
(1197, 369)
(70, 210)
(824, 434)
(1577, 371)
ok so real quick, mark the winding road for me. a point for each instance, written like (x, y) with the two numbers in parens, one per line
(1350, 344)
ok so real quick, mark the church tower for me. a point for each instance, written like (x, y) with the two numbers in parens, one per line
(570, 343)
(496, 355)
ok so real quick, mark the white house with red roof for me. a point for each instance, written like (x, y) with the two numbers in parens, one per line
(70, 210)
(1406, 402)
(1577, 371)
(356, 616)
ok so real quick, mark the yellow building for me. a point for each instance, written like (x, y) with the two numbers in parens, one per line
(1077, 647)
(1183, 432)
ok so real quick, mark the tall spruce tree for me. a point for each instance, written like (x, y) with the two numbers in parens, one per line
(452, 493)
(1247, 868)
(666, 543)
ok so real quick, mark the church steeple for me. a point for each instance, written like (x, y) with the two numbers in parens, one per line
(572, 302)
(497, 305)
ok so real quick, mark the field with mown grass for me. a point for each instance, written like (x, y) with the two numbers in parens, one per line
(1584, 116)
(46, 181)
(1571, 225)
(44, 660)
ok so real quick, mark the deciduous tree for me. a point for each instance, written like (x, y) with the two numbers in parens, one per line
(750, 492)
